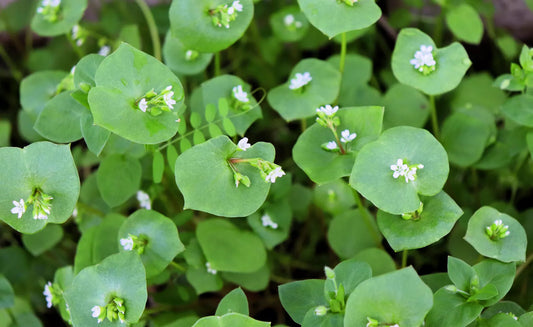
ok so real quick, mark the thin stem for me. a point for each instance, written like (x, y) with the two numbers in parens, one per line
(434, 119)
(217, 64)
(17, 75)
(523, 266)
(343, 53)
(303, 124)
(152, 27)
(178, 266)
(404, 258)
(522, 159)
(367, 218)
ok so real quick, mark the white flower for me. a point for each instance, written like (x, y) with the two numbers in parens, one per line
(240, 95)
(209, 269)
(288, 20)
(19, 208)
(73, 70)
(144, 200)
(55, 3)
(75, 213)
(48, 294)
(347, 136)
(400, 169)
(236, 5)
(331, 145)
(190, 54)
(300, 80)
(104, 51)
(127, 243)
(328, 110)
(143, 105)
(271, 177)
(75, 30)
(41, 216)
(170, 102)
(96, 311)
(243, 144)
(268, 222)
(423, 57)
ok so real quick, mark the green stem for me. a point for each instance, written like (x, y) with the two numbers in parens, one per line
(434, 119)
(17, 75)
(152, 27)
(404, 258)
(437, 34)
(523, 266)
(343, 53)
(367, 219)
(522, 159)
(217, 63)
(178, 266)
(303, 124)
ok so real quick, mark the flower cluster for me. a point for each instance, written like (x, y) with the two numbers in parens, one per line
(497, 230)
(52, 294)
(291, 23)
(405, 170)
(209, 269)
(50, 10)
(79, 35)
(191, 55)
(133, 242)
(224, 15)
(326, 117)
(155, 103)
(41, 205)
(269, 171)
(240, 98)
(112, 311)
(144, 200)
(348, 2)
(104, 50)
(423, 60)
(267, 221)
(300, 80)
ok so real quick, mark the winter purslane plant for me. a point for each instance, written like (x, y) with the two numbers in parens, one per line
(147, 183)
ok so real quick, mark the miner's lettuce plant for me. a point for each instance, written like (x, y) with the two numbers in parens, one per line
(336, 163)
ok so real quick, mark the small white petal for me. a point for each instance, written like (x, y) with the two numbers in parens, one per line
(96, 310)
(243, 144)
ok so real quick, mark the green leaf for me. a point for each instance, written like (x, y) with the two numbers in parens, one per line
(334, 197)
(461, 274)
(230, 320)
(351, 273)
(350, 232)
(509, 249)
(436, 220)
(347, 18)
(158, 167)
(373, 178)
(400, 297)
(210, 112)
(203, 281)
(405, 106)
(122, 79)
(357, 73)
(328, 320)
(195, 119)
(300, 296)
(451, 310)
(254, 282)
(37, 89)
(280, 213)
(44, 165)
(185, 145)
(161, 235)
(95, 136)
(465, 24)
(197, 137)
(60, 119)
(70, 13)
(292, 32)
(223, 107)
(175, 55)
(118, 177)
(379, 260)
(228, 126)
(234, 301)
(86, 70)
(452, 63)
(119, 275)
(519, 109)
(477, 90)
(324, 166)
(191, 20)
(498, 274)
(43, 240)
(172, 155)
(204, 172)
(214, 130)
(227, 248)
(7, 295)
(302, 103)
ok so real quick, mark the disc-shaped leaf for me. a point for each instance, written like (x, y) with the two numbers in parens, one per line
(86, 70)
(182, 60)
(161, 236)
(203, 172)
(357, 73)
(230, 320)
(519, 109)
(362, 14)
(118, 177)
(43, 240)
(120, 275)
(508, 249)
(324, 166)
(37, 88)
(122, 79)
(452, 62)
(42, 165)
(254, 282)
(192, 21)
(451, 310)
(464, 22)
(300, 296)
(7, 295)
(302, 102)
(70, 12)
(500, 275)
(405, 106)
(281, 216)
(289, 24)
(437, 219)
(373, 177)
(400, 297)
(228, 248)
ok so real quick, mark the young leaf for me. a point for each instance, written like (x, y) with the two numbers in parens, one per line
(234, 301)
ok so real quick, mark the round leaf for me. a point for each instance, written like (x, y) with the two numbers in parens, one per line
(347, 18)
(405, 106)
(43, 240)
(161, 234)
(373, 178)
(508, 249)
(192, 22)
(122, 79)
(295, 29)
(280, 213)
(175, 55)
(44, 165)
(37, 88)
(227, 248)
(203, 172)
(519, 109)
(451, 310)
(300, 296)
(452, 63)
(118, 177)
(465, 23)
(70, 13)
